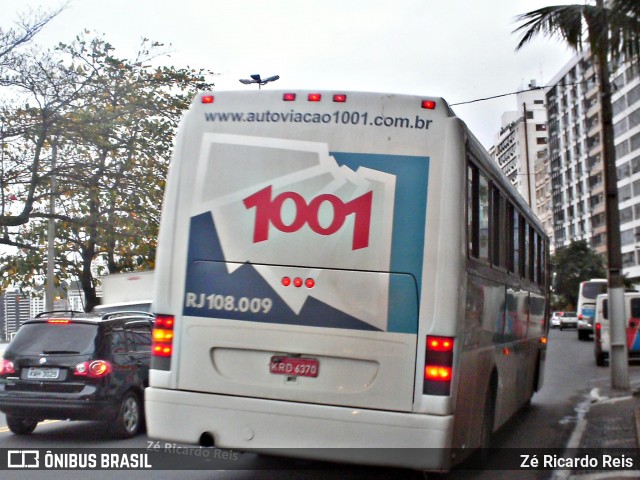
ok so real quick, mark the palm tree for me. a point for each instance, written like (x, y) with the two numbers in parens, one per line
(613, 34)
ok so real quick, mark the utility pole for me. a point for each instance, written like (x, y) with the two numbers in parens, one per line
(51, 233)
(618, 357)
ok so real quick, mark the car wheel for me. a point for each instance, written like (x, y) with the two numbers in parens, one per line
(127, 422)
(21, 425)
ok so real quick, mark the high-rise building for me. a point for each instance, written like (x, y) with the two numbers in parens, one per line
(575, 148)
(522, 154)
(17, 309)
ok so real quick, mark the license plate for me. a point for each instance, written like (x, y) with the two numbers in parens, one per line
(41, 373)
(294, 366)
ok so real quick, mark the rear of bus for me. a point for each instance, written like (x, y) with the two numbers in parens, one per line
(587, 293)
(294, 288)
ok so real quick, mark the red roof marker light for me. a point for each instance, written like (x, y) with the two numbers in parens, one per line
(207, 99)
(289, 97)
(314, 97)
(429, 104)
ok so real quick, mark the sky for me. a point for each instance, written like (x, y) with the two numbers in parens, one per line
(456, 49)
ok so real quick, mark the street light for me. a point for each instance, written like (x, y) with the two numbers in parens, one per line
(260, 81)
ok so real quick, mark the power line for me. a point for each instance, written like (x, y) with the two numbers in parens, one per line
(514, 93)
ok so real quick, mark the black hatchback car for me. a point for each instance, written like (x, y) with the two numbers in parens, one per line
(78, 366)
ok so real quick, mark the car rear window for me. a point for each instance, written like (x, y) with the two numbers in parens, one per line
(37, 338)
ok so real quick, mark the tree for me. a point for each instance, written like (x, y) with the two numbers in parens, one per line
(613, 34)
(574, 264)
(27, 27)
(22, 170)
(110, 122)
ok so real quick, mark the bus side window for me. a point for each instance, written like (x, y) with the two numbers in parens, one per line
(523, 243)
(535, 257)
(472, 210)
(483, 192)
(498, 231)
(478, 214)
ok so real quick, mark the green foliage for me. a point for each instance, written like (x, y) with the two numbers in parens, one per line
(110, 122)
(574, 264)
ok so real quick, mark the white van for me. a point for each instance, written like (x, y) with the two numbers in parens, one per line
(602, 328)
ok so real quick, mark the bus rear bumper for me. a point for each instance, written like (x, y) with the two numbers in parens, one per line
(319, 432)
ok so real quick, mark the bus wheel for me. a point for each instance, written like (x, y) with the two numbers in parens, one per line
(486, 433)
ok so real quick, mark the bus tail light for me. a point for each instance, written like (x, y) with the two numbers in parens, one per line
(162, 345)
(438, 365)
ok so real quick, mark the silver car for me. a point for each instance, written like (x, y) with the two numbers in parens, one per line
(568, 320)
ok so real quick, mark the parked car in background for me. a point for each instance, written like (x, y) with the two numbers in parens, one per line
(568, 320)
(78, 366)
(555, 319)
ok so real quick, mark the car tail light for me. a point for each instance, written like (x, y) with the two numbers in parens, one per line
(60, 321)
(7, 367)
(93, 369)
(162, 345)
(438, 365)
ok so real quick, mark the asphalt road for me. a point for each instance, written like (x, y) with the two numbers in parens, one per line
(548, 423)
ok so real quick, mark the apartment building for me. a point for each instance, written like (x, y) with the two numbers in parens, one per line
(522, 154)
(575, 151)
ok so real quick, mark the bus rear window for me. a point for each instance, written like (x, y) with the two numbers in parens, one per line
(592, 290)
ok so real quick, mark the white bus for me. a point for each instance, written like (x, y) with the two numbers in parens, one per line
(341, 275)
(586, 309)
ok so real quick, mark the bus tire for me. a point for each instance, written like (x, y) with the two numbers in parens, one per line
(488, 416)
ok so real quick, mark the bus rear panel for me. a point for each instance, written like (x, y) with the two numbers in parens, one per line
(310, 277)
